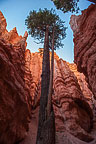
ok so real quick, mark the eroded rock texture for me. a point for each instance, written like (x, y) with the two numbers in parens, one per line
(84, 28)
(33, 69)
(20, 86)
(71, 97)
(14, 96)
(73, 114)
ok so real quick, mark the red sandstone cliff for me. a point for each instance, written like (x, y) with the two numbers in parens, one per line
(70, 104)
(14, 96)
(20, 84)
(84, 28)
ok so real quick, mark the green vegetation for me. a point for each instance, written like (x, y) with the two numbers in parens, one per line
(46, 27)
(67, 5)
(36, 24)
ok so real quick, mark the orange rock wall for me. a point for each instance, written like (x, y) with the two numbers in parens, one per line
(14, 96)
(20, 85)
(84, 28)
(69, 88)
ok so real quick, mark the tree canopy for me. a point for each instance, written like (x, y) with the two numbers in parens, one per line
(67, 5)
(41, 25)
(36, 24)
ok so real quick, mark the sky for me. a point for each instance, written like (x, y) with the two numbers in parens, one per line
(16, 11)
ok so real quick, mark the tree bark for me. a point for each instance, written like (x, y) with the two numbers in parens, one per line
(49, 104)
(45, 77)
(46, 126)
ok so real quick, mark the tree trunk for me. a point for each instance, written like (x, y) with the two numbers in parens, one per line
(49, 104)
(46, 126)
(45, 77)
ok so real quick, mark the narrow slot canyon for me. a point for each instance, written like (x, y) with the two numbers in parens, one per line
(74, 86)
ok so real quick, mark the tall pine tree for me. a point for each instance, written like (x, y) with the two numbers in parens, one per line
(40, 26)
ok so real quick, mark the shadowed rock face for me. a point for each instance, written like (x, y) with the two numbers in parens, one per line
(20, 85)
(14, 96)
(84, 28)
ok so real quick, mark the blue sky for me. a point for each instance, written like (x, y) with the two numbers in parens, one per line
(16, 11)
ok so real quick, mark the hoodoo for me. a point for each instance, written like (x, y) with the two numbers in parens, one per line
(73, 88)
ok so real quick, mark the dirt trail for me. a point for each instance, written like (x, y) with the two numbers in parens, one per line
(61, 137)
(31, 136)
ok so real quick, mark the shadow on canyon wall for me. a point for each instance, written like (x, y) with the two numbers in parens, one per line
(74, 92)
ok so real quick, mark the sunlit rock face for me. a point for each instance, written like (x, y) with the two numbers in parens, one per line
(85, 44)
(71, 97)
(3, 24)
(14, 96)
(33, 69)
(82, 82)
(72, 111)
(20, 86)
